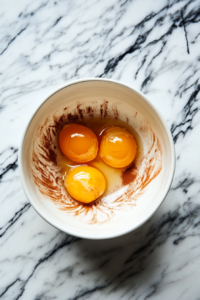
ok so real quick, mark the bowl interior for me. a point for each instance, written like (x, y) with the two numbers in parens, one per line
(105, 98)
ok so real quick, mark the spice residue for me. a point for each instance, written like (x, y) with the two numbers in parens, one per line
(48, 163)
(129, 175)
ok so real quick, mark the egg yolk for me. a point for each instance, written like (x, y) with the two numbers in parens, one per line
(118, 147)
(85, 183)
(78, 143)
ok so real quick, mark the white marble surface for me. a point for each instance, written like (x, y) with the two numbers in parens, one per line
(152, 45)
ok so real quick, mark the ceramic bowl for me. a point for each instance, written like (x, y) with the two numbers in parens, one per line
(130, 205)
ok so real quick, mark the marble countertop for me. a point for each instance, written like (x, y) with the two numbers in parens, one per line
(151, 45)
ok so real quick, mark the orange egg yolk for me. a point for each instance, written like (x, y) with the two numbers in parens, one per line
(85, 183)
(78, 143)
(118, 147)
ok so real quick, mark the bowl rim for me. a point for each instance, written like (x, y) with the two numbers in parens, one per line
(151, 212)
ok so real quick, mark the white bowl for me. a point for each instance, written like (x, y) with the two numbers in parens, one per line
(113, 218)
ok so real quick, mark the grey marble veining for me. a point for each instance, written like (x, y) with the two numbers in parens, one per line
(151, 45)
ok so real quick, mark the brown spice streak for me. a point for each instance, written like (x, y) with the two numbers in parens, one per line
(48, 175)
(89, 112)
(115, 111)
(129, 175)
(104, 109)
(80, 111)
(72, 118)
